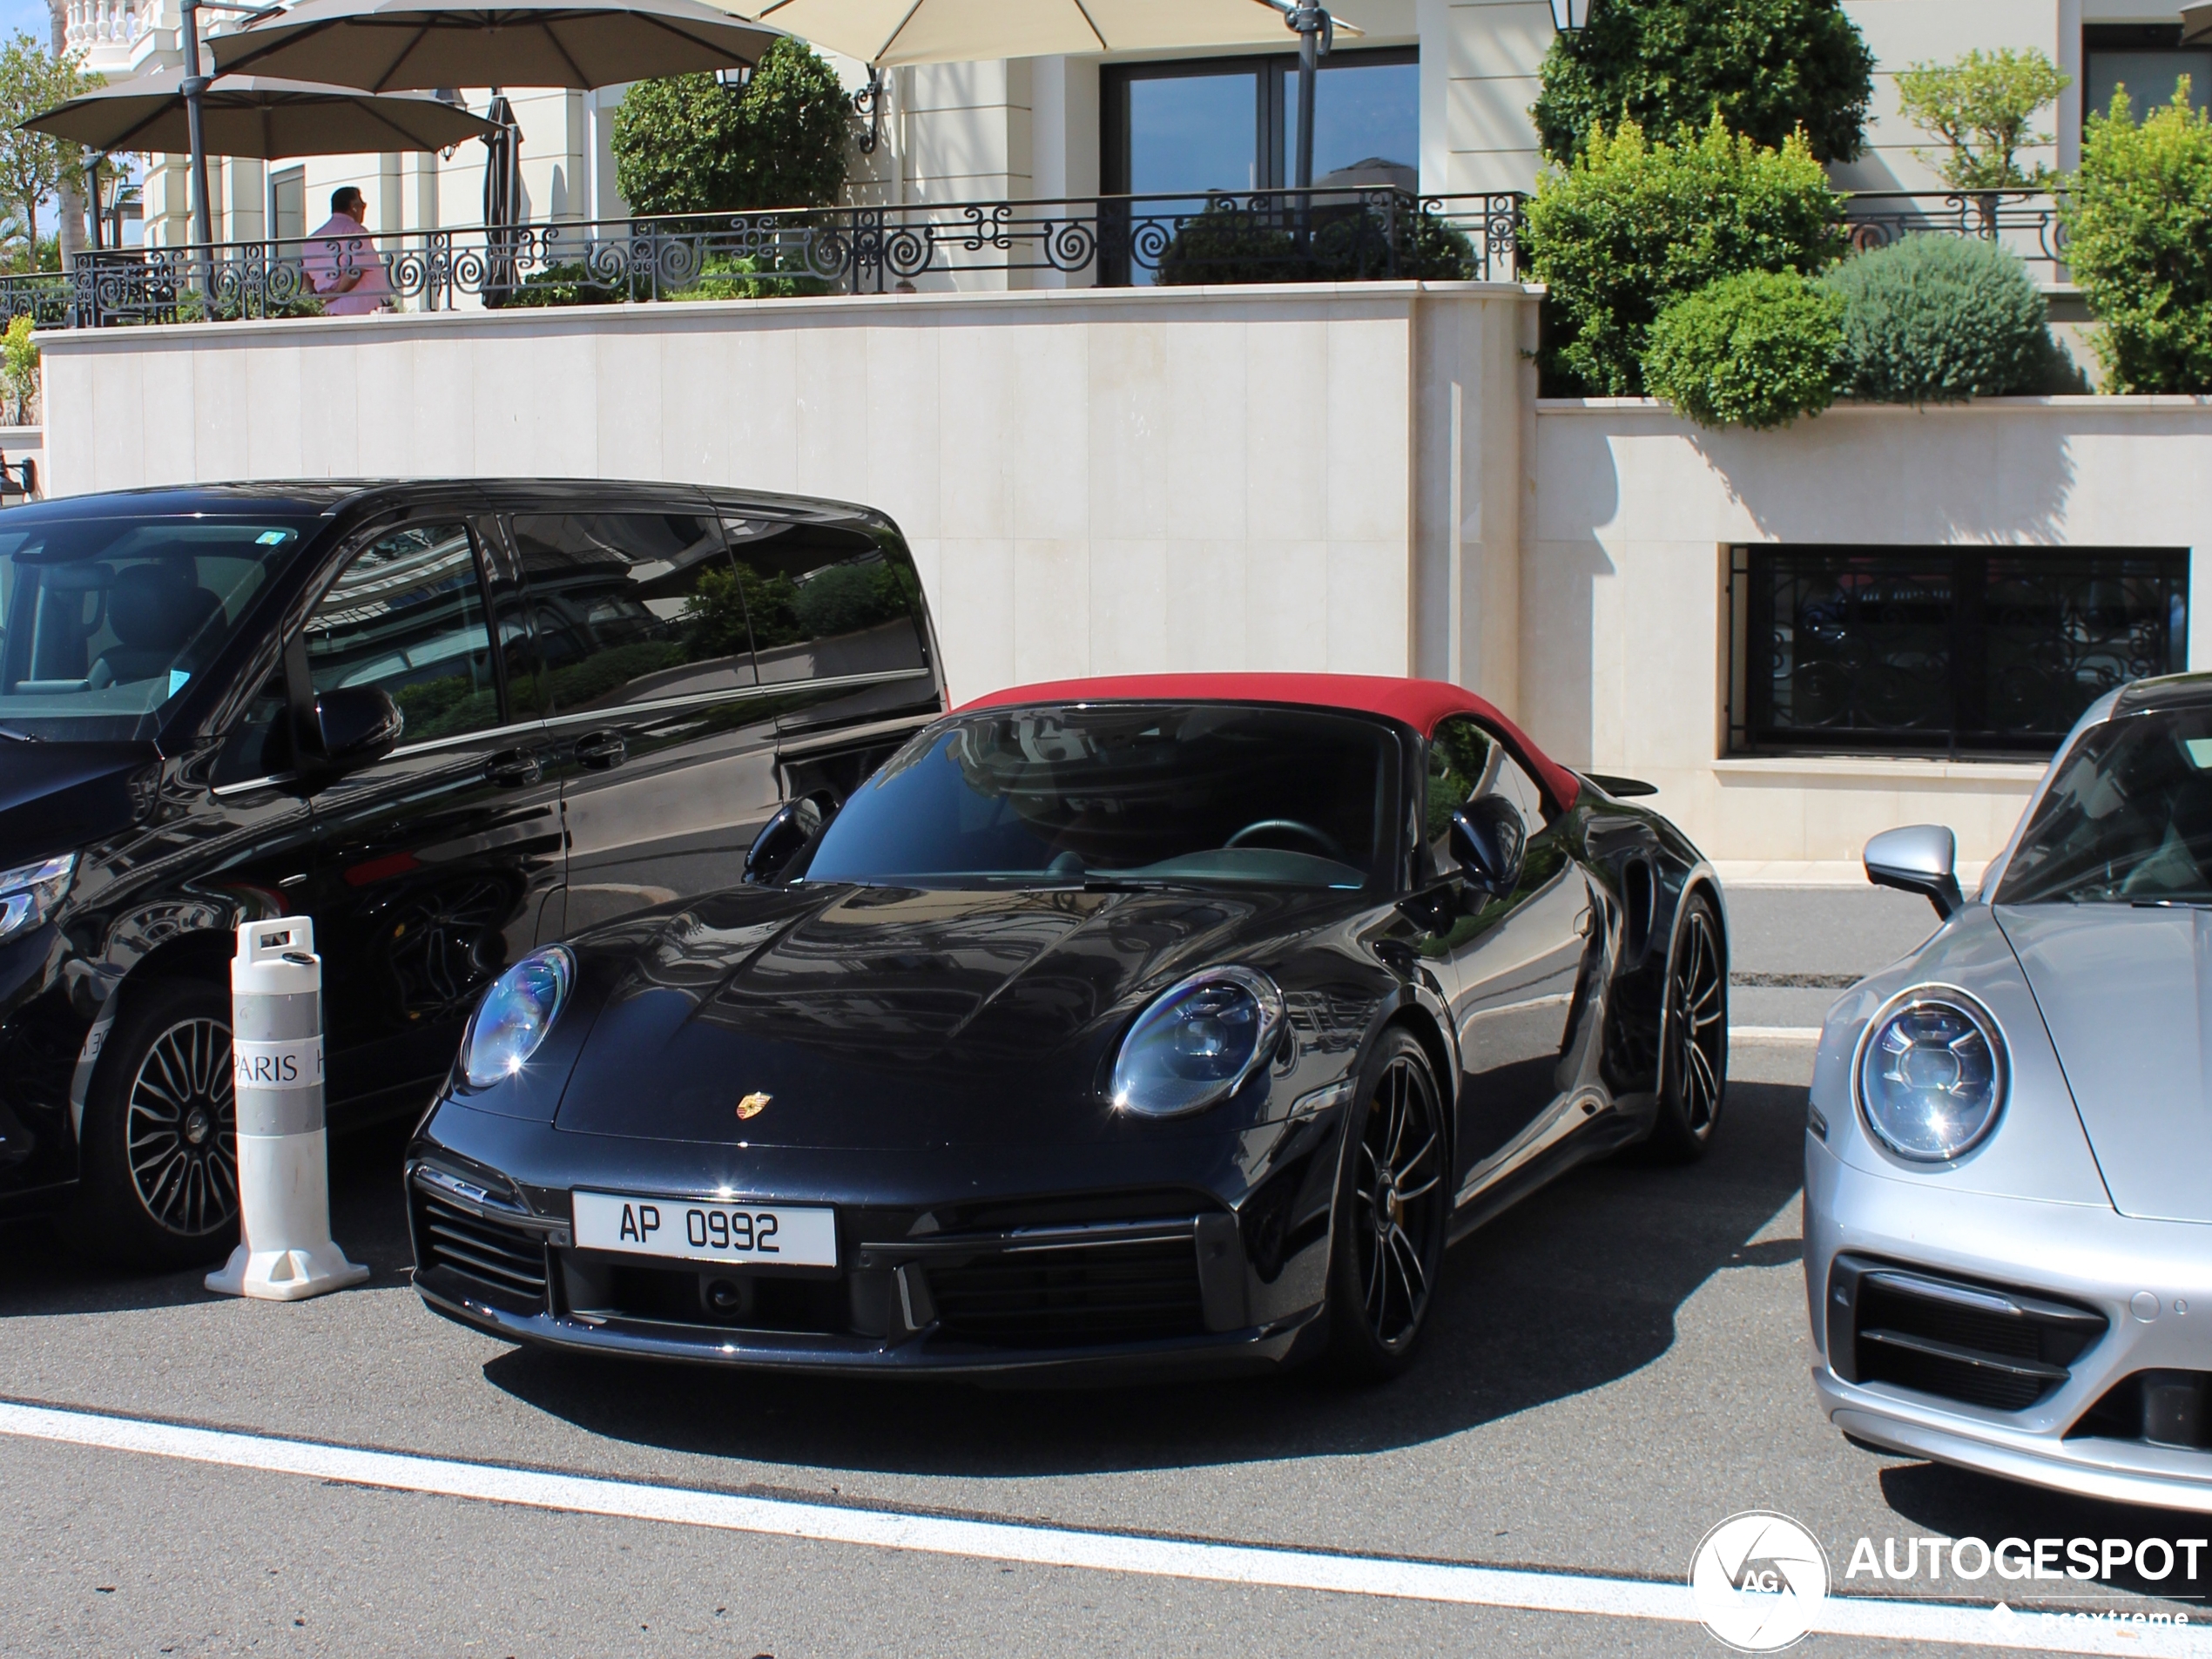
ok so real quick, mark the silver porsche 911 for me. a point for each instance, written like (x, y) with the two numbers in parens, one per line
(2008, 1160)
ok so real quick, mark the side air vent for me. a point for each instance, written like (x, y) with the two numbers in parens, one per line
(501, 1262)
(1979, 1345)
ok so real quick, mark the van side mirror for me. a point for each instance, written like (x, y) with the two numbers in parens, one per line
(353, 725)
(782, 839)
(1921, 857)
(1489, 838)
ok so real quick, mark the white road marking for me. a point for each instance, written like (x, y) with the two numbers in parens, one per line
(1806, 1034)
(1053, 1546)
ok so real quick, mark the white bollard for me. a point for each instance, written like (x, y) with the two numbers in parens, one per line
(283, 1153)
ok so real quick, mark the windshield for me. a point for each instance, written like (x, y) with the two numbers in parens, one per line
(1123, 794)
(2127, 820)
(103, 620)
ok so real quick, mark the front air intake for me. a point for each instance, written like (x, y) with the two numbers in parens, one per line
(496, 1260)
(1979, 1345)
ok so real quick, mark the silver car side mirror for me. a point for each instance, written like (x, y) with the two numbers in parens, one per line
(1921, 857)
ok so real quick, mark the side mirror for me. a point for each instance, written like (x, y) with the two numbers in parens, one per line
(782, 839)
(1488, 839)
(1921, 858)
(353, 725)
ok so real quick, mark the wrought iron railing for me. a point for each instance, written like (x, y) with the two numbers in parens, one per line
(1252, 236)
(2026, 221)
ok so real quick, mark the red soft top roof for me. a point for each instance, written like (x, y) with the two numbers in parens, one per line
(1420, 704)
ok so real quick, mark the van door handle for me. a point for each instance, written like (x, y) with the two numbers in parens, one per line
(600, 749)
(513, 768)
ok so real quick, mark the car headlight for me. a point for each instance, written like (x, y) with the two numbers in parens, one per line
(1198, 1042)
(516, 1014)
(29, 891)
(1932, 1074)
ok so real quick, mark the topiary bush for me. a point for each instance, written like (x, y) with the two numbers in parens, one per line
(1756, 349)
(1768, 67)
(1937, 319)
(2139, 240)
(1631, 227)
(690, 145)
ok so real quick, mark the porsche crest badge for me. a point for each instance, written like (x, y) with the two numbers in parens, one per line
(753, 1106)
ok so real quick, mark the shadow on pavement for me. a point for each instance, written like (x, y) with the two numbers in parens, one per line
(1577, 1286)
(1959, 1503)
(47, 1275)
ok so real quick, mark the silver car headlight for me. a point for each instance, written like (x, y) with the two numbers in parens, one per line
(1932, 1073)
(1198, 1042)
(29, 891)
(516, 1014)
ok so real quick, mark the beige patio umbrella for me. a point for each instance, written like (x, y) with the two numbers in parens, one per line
(891, 34)
(888, 34)
(418, 46)
(2196, 24)
(254, 116)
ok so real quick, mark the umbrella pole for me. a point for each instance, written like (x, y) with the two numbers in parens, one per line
(194, 85)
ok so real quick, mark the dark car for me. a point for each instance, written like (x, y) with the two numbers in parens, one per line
(1115, 1023)
(452, 722)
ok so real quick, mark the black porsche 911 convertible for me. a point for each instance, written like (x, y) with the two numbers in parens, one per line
(1111, 1025)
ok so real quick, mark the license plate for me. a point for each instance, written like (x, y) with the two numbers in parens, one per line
(692, 1230)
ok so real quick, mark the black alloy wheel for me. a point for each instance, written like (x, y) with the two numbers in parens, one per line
(161, 1138)
(1393, 1203)
(1694, 1059)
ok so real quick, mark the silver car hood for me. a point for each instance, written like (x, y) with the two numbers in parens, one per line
(2126, 996)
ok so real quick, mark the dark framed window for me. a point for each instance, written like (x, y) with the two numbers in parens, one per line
(2148, 59)
(1214, 125)
(1962, 651)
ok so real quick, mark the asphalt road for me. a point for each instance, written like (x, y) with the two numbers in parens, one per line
(1616, 1367)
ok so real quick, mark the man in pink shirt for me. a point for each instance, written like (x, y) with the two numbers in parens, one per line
(341, 264)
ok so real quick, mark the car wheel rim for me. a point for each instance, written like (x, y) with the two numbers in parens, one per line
(1699, 1016)
(181, 1129)
(1397, 1183)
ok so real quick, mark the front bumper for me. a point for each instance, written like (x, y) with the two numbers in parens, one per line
(1206, 1254)
(2151, 1282)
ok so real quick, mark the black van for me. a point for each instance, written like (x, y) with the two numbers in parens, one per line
(449, 721)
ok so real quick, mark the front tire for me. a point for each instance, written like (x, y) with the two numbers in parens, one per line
(159, 1181)
(1393, 1204)
(1693, 1062)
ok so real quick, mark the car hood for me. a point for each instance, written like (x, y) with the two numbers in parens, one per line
(2126, 996)
(881, 1017)
(58, 797)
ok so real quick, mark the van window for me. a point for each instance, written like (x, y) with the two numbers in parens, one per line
(407, 613)
(826, 603)
(632, 607)
(103, 620)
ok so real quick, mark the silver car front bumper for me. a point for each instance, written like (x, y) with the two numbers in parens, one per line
(2151, 1280)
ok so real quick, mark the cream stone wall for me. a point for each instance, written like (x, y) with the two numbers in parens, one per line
(1623, 598)
(1110, 481)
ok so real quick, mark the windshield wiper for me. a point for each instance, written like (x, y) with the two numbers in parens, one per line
(14, 735)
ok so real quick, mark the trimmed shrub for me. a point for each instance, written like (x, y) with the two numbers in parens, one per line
(1937, 319)
(1768, 67)
(1632, 226)
(690, 145)
(1756, 349)
(1230, 243)
(2139, 229)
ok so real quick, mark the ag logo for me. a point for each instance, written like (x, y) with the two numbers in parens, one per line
(753, 1106)
(1759, 1580)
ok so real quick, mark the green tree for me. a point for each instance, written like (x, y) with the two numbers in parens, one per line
(689, 145)
(1938, 319)
(32, 165)
(2138, 241)
(1769, 67)
(1983, 107)
(1632, 225)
